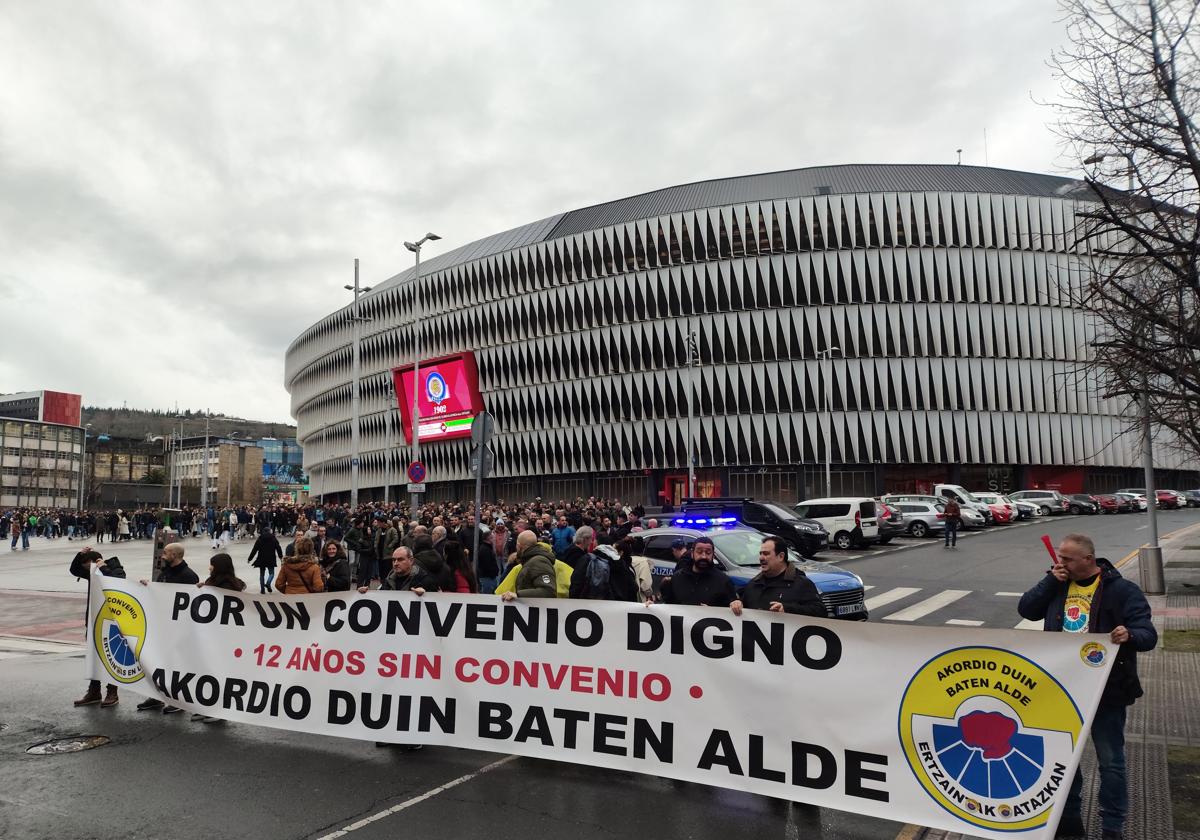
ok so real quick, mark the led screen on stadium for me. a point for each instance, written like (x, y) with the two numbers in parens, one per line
(447, 397)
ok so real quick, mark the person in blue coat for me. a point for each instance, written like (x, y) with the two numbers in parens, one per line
(1085, 594)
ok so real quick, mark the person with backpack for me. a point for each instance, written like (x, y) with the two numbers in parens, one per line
(599, 578)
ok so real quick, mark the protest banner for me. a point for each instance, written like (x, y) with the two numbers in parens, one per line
(977, 731)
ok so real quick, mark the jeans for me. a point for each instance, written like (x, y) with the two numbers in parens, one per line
(1108, 737)
(952, 532)
(488, 585)
(266, 574)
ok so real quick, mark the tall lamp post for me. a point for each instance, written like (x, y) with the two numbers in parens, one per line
(83, 466)
(415, 247)
(204, 465)
(1150, 565)
(354, 395)
(824, 356)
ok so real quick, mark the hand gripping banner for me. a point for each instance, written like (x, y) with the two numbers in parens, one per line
(977, 731)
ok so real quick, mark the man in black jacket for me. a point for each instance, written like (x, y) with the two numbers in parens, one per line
(81, 567)
(406, 575)
(174, 570)
(1085, 594)
(780, 586)
(695, 581)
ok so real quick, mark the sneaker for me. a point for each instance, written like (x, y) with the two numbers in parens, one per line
(209, 719)
(148, 704)
(171, 710)
(412, 747)
(1071, 825)
(197, 717)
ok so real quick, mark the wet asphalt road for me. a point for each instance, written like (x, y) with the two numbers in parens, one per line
(167, 777)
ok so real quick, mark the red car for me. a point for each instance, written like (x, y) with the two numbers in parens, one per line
(1001, 514)
(1167, 499)
(1109, 504)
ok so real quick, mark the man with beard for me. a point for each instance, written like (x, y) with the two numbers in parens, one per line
(699, 583)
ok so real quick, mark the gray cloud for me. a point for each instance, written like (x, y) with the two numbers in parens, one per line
(183, 186)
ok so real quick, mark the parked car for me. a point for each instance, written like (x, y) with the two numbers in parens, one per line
(1078, 503)
(1003, 511)
(1193, 497)
(1136, 502)
(1024, 509)
(1170, 500)
(922, 519)
(891, 522)
(850, 520)
(805, 535)
(736, 554)
(1051, 502)
(1109, 503)
(964, 498)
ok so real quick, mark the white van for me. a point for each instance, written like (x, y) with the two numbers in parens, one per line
(964, 498)
(850, 521)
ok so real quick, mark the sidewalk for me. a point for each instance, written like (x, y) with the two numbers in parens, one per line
(1162, 736)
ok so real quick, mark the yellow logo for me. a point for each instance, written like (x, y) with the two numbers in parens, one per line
(1094, 654)
(118, 634)
(989, 735)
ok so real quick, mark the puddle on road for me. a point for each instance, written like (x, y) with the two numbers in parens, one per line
(77, 743)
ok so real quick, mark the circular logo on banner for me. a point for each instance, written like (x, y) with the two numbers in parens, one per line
(436, 388)
(989, 735)
(1093, 653)
(118, 634)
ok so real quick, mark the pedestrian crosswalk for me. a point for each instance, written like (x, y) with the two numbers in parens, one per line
(911, 604)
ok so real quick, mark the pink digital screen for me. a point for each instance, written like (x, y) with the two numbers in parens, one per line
(447, 397)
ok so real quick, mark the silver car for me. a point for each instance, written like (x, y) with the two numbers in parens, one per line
(922, 519)
(971, 518)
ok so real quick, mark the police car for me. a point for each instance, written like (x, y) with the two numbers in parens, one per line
(736, 554)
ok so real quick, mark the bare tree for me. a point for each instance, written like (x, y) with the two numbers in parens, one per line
(1131, 92)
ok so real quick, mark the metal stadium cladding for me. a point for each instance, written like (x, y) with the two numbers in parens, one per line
(942, 290)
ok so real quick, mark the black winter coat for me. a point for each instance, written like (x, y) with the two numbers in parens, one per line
(266, 552)
(178, 574)
(1121, 603)
(712, 588)
(337, 574)
(417, 578)
(792, 588)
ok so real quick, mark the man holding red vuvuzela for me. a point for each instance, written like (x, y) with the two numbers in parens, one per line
(1082, 593)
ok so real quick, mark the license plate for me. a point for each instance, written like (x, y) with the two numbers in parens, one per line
(846, 609)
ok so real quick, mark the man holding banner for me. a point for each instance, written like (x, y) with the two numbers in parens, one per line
(1085, 594)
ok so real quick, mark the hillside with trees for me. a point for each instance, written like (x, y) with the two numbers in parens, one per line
(143, 423)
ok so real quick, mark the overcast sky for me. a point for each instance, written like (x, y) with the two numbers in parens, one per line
(184, 186)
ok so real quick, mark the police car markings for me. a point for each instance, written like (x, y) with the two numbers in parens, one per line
(924, 608)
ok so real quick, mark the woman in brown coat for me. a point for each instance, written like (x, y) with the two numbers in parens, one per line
(300, 573)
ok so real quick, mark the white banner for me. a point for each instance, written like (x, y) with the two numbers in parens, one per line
(977, 731)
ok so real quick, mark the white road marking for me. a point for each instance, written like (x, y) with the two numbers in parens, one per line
(1009, 594)
(924, 608)
(868, 587)
(1143, 528)
(888, 597)
(965, 622)
(852, 557)
(417, 800)
(1026, 624)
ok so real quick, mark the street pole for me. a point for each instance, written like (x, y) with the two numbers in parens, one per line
(83, 467)
(415, 247)
(693, 354)
(204, 467)
(354, 397)
(824, 356)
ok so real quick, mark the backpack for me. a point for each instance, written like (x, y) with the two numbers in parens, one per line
(609, 581)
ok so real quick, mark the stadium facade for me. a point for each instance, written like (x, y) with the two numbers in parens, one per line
(943, 289)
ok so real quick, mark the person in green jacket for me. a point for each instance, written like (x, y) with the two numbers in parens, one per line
(537, 577)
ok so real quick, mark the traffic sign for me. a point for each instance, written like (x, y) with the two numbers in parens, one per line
(482, 428)
(416, 474)
(484, 455)
(416, 487)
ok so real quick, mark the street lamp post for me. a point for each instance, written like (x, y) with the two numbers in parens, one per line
(354, 394)
(693, 360)
(1150, 565)
(204, 466)
(229, 474)
(824, 356)
(415, 247)
(83, 466)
